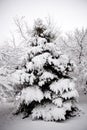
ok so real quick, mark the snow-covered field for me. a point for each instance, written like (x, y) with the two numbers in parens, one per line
(10, 122)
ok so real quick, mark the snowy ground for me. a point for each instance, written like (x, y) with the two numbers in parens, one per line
(10, 122)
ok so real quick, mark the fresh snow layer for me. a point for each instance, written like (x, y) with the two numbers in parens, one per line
(31, 94)
(62, 85)
(48, 112)
(58, 102)
(40, 60)
(46, 77)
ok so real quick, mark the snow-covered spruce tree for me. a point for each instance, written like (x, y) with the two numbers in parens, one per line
(48, 92)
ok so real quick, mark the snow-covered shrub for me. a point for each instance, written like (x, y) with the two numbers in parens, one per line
(48, 92)
(6, 88)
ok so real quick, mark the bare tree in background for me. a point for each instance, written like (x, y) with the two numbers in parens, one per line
(75, 44)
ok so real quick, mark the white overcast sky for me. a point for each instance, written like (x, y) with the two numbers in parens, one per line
(68, 14)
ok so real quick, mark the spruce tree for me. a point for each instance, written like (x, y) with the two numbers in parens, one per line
(48, 91)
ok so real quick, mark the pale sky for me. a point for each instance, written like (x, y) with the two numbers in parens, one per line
(68, 14)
